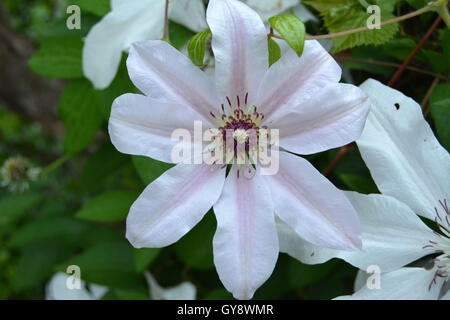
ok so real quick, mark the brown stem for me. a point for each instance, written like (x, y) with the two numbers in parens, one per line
(391, 64)
(341, 153)
(166, 21)
(416, 50)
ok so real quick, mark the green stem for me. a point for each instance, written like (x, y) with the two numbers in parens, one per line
(55, 165)
(443, 12)
(166, 22)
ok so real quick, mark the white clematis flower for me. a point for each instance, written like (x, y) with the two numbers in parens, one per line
(183, 291)
(130, 21)
(299, 96)
(412, 170)
(57, 289)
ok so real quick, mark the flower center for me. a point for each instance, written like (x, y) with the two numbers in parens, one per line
(442, 246)
(239, 127)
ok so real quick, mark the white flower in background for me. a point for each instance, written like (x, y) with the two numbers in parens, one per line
(299, 96)
(130, 21)
(183, 291)
(412, 170)
(137, 20)
(16, 173)
(270, 8)
(57, 289)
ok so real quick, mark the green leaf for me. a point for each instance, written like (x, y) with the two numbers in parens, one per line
(103, 163)
(131, 295)
(440, 111)
(344, 15)
(58, 57)
(179, 35)
(97, 7)
(36, 264)
(274, 51)
(292, 29)
(110, 264)
(195, 248)
(301, 275)
(144, 257)
(78, 109)
(14, 206)
(59, 229)
(197, 46)
(108, 206)
(359, 183)
(149, 169)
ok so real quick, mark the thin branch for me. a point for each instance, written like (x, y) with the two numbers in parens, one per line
(341, 153)
(166, 21)
(413, 54)
(393, 65)
(348, 32)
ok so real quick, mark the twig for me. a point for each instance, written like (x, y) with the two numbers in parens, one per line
(427, 97)
(391, 64)
(342, 152)
(166, 21)
(348, 32)
(416, 50)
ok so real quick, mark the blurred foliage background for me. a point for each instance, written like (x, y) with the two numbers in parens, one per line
(73, 212)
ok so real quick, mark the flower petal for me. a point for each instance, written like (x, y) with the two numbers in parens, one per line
(401, 284)
(189, 13)
(245, 244)
(291, 81)
(402, 153)
(140, 125)
(56, 289)
(270, 8)
(163, 73)
(173, 204)
(312, 205)
(183, 291)
(392, 236)
(104, 44)
(333, 118)
(239, 43)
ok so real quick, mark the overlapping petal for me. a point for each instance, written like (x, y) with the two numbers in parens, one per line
(178, 81)
(333, 118)
(239, 43)
(399, 147)
(129, 21)
(270, 8)
(245, 244)
(291, 81)
(392, 236)
(140, 125)
(312, 205)
(401, 284)
(173, 204)
(190, 13)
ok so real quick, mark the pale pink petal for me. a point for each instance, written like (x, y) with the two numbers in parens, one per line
(333, 118)
(393, 236)
(141, 125)
(163, 73)
(190, 13)
(403, 155)
(292, 81)
(312, 206)
(239, 43)
(173, 204)
(401, 284)
(245, 243)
